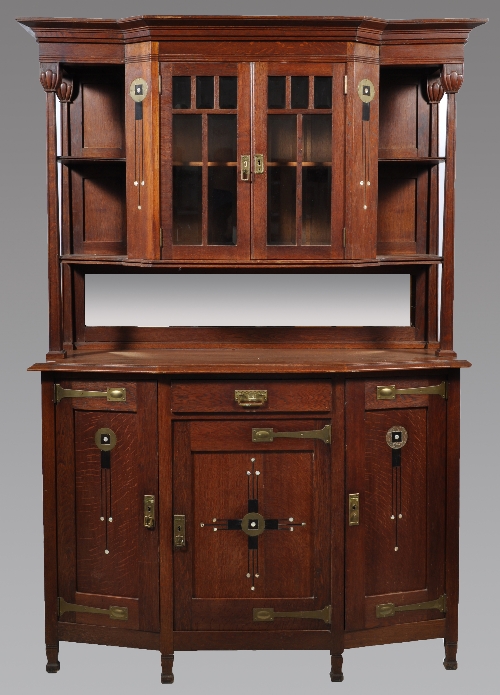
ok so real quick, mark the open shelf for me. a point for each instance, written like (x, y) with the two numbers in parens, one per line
(84, 160)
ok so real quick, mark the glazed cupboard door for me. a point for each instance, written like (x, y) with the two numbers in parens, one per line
(257, 527)
(205, 137)
(396, 477)
(107, 491)
(298, 188)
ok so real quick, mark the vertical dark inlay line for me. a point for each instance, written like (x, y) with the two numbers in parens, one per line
(204, 179)
(300, 153)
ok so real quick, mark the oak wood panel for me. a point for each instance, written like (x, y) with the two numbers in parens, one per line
(244, 639)
(98, 208)
(113, 637)
(406, 632)
(97, 116)
(215, 594)
(249, 361)
(219, 397)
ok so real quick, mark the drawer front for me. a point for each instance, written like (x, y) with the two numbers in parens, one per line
(310, 395)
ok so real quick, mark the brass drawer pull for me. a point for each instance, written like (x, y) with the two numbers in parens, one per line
(114, 612)
(386, 610)
(114, 395)
(267, 615)
(267, 434)
(389, 393)
(250, 399)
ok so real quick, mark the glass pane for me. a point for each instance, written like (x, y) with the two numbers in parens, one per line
(317, 137)
(181, 92)
(276, 92)
(322, 92)
(282, 138)
(186, 146)
(281, 196)
(186, 227)
(316, 205)
(222, 205)
(204, 92)
(228, 92)
(300, 92)
(221, 138)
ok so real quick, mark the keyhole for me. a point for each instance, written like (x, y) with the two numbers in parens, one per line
(179, 528)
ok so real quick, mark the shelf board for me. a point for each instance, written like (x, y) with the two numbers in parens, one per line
(413, 160)
(248, 361)
(91, 160)
(273, 265)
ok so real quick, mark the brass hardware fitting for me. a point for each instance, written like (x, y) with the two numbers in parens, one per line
(149, 511)
(105, 439)
(386, 610)
(267, 615)
(354, 509)
(389, 393)
(138, 89)
(114, 612)
(253, 524)
(366, 91)
(114, 395)
(179, 530)
(267, 434)
(250, 399)
(258, 163)
(245, 167)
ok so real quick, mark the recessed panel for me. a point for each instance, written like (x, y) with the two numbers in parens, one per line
(103, 116)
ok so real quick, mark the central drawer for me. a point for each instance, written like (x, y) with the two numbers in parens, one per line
(287, 396)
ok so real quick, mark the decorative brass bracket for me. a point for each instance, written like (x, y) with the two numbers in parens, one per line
(250, 399)
(386, 610)
(389, 393)
(267, 615)
(267, 434)
(114, 612)
(111, 394)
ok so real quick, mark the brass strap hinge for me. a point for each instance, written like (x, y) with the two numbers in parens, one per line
(389, 393)
(114, 612)
(267, 615)
(386, 610)
(161, 237)
(159, 84)
(267, 434)
(345, 84)
(343, 237)
(115, 395)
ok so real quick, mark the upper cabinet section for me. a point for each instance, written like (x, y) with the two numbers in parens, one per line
(250, 140)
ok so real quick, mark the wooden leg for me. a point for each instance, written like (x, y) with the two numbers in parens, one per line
(53, 664)
(336, 675)
(167, 663)
(450, 656)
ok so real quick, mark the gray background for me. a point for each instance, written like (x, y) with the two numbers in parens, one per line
(409, 668)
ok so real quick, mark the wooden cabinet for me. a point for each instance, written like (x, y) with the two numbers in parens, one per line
(251, 486)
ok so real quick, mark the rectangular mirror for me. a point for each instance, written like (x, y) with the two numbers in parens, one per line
(247, 299)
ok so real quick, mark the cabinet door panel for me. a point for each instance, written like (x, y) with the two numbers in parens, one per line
(298, 204)
(223, 573)
(106, 556)
(205, 130)
(396, 554)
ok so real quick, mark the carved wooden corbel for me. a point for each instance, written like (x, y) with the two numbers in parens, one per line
(50, 76)
(65, 90)
(435, 89)
(452, 77)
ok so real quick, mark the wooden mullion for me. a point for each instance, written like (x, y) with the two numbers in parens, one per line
(166, 157)
(288, 92)
(204, 179)
(298, 183)
(216, 93)
(193, 91)
(311, 93)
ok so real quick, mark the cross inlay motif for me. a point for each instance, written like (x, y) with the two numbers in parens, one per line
(253, 524)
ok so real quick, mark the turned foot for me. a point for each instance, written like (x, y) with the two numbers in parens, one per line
(336, 675)
(167, 664)
(53, 664)
(450, 658)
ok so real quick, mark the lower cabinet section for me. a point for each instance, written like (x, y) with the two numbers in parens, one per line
(306, 514)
